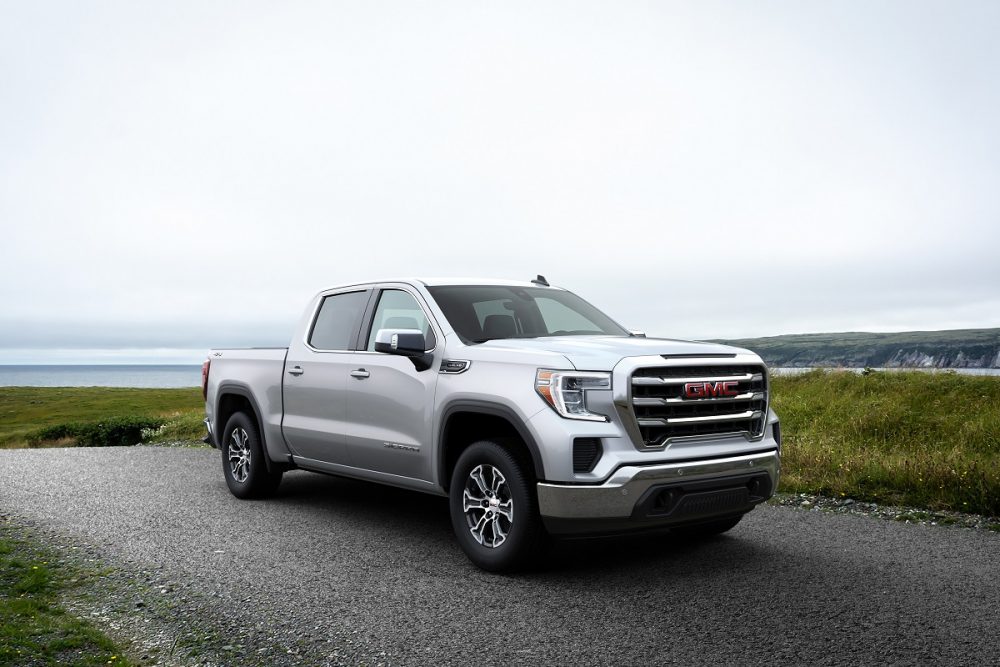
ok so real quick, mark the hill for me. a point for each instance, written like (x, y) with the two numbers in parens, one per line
(959, 348)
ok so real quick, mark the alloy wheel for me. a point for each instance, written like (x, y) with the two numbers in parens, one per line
(488, 506)
(239, 455)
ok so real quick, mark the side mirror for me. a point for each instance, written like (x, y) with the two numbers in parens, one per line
(637, 334)
(404, 342)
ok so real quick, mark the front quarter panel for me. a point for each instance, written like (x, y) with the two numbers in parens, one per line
(500, 379)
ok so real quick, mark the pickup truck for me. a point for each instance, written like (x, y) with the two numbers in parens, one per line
(532, 411)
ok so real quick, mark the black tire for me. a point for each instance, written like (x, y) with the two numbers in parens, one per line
(243, 462)
(507, 544)
(707, 529)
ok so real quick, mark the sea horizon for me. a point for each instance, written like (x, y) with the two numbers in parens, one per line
(99, 364)
(140, 376)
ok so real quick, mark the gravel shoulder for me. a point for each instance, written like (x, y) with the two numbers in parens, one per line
(817, 503)
(334, 571)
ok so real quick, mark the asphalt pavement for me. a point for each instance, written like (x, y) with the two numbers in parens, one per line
(366, 573)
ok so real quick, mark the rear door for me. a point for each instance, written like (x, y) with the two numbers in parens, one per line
(317, 371)
(390, 402)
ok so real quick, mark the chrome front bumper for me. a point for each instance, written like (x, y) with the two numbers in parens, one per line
(617, 501)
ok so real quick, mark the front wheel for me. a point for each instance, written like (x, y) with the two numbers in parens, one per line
(243, 462)
(493, 508)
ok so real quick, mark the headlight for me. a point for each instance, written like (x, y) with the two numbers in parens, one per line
(566, 391)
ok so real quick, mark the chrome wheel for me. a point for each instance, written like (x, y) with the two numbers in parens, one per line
(488, 506)
(239, 455)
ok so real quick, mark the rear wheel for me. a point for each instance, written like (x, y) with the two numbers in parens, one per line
(243, 461)
(493, 508)
(708, 528)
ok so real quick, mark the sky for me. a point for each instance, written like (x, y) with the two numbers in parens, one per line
(186, 175)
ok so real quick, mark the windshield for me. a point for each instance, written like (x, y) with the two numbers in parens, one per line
(479, 313)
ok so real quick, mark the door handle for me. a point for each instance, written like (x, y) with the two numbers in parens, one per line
(295, 370)
(360, 373)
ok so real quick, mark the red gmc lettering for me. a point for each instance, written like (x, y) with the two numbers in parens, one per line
(711, 389)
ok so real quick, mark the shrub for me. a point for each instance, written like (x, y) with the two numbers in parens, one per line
(57, 432)
(116, 431)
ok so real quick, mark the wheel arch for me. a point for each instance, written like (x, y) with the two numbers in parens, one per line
(233, 397)
(462, 423)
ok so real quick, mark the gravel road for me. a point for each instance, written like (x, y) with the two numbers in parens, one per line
(351, 572)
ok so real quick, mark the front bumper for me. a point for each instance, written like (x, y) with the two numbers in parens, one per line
(643, 497)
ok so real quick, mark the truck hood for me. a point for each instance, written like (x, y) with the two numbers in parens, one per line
(602, 353)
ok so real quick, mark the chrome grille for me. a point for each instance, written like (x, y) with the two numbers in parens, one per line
(663, 412)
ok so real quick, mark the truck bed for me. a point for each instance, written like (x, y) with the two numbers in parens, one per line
(256, 374)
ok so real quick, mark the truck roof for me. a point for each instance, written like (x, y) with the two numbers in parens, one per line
(435, 282)
(441, 281)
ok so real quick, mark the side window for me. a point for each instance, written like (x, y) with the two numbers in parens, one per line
(338, 320)
(562, 318)
(399, 310)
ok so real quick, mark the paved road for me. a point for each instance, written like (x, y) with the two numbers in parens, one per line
(345, 560)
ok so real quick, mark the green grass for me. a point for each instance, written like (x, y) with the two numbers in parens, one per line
(927, 440)
(34, 628)
(26, 411)
(909, 438)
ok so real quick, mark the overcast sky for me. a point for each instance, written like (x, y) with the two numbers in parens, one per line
(185, 175)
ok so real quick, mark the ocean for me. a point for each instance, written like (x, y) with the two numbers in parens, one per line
(101, 376)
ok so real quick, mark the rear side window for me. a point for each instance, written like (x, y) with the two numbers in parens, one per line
(338, 320)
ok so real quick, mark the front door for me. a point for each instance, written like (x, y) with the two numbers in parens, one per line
(390, 402)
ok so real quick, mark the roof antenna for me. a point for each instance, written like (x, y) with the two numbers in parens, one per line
(540, 280)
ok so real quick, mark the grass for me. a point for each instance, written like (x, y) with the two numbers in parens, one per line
(27, 411)
(924, 440)
(928, 440)
(34, 628)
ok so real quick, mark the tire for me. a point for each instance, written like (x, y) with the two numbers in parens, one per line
(494, 511)
(707, 529)
(243, 462)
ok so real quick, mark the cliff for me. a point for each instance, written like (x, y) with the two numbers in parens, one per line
(960, 348)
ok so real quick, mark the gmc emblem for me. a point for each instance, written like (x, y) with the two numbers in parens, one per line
(711, 389)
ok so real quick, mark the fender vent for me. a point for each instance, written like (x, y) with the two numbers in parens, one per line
(586, 453)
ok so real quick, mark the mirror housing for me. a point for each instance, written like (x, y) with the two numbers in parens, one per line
(405, 343)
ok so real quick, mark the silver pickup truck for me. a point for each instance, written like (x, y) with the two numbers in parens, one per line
(531, 410)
